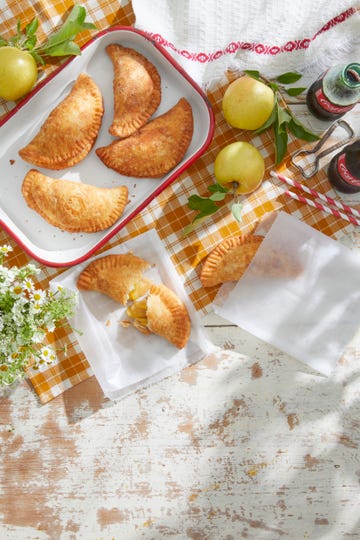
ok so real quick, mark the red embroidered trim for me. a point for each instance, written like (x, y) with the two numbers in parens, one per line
(258, 48)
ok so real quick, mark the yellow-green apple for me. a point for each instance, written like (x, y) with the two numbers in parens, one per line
(239, 166)
(247, 103)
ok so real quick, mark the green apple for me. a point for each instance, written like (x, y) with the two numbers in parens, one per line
(239, 166)
(18, 73)
(247, 103)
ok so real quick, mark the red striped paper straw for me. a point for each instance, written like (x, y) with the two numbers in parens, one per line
(328, 209)
(344, 207)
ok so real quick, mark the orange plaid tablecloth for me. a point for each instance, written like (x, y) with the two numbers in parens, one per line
(168, 213)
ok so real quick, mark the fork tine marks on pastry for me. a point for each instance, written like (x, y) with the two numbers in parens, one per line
(73, 206)
(156, 148)
(69, 132)
(136, 89)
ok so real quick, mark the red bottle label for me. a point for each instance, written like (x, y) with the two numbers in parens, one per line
(345, 173)
(328, 106)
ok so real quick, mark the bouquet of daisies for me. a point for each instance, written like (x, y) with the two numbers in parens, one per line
(27, 315)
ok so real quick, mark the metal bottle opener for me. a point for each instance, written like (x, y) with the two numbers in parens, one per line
(313, 152)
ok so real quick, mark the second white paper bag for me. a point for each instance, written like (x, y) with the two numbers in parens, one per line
(301, 293)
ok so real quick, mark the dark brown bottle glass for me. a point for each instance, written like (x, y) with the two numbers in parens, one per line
(335, 92)
(344, 169)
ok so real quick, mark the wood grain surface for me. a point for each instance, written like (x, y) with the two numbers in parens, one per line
(247, 444)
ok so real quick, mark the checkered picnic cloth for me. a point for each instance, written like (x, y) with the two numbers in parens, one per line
(169, 212)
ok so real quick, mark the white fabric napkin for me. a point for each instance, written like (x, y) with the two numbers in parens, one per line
(123, 359)
(209, 36)
(306, 301)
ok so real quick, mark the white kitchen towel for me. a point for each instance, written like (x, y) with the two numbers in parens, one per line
(207, 37)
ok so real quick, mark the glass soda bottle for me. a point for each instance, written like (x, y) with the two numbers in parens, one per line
(344, 169)
(335, 92)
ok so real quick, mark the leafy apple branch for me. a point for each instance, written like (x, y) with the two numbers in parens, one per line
(60, 43)
(282, 120)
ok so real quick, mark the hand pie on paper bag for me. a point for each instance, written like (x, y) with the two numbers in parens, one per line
(154, 309)
(73, 206)
(154, 149)
(69, 132)
(136, 87)
(229, 260)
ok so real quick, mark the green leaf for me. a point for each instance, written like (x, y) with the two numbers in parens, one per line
(64, 49)
(38, 59)
(282, 117)
(236, 210)
(281, 140)
(274, 87)
(289, 77)
(204, 204)
(213, 188)
(252, 73)
(59, 43)
(294, 91)
(269, 122)
(29, 43)
(3, 42)
(31, 28)
(217, 196)
(192, 226)
(301, 132)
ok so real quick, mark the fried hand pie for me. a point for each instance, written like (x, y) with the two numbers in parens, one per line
(116, 275)
(162, 313)
(136, 87)
(73, 206)
(154, 149)
(69, 132)
(229, 260)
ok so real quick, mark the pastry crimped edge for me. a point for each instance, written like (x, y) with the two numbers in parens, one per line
(82, 147)
(177, 328)
(117, 128)
(67, 222)
(114, 275)
(214, 273)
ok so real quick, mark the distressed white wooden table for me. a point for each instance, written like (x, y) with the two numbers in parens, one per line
(247, 444)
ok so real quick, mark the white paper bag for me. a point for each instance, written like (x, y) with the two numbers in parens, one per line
(123, 359)
(308, 305)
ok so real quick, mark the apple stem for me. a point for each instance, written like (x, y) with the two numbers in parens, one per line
(235, 186)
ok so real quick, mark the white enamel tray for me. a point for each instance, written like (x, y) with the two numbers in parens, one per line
(50, 245)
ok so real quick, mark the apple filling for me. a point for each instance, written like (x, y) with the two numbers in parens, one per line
(140, 288)
(137, 312)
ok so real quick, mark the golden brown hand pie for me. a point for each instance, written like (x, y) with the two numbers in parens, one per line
(154, 309)
(229, 260)
(154, 149)
(69, 132)
(73, 206)
(116, 275)
(162, 313)
(136, 87)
